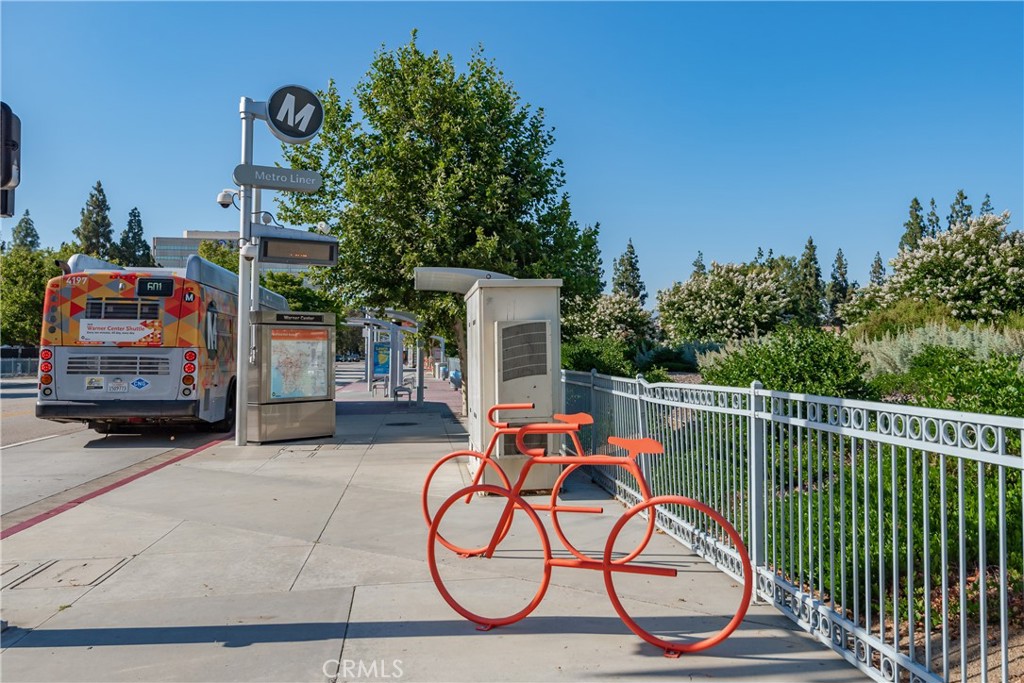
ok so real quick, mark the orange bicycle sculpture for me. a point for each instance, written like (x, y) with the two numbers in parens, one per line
(492, 609)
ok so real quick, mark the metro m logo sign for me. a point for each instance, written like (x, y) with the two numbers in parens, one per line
(294, 114)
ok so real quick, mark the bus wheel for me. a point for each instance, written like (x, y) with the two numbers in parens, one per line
(105, 427)
(228, 423)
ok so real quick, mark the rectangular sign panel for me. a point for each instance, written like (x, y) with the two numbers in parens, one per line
(273, 178)
(382, 358)
(299, 362)
(124, 331)
(277, 250)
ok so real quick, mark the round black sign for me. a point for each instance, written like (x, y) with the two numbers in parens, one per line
(294, 114)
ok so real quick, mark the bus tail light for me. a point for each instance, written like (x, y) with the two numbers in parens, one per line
(46, 354)
(189, 368)
(46, 379)
(46, 366)
(188, 380)
(191, 355)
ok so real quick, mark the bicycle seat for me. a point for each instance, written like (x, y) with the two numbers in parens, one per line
(637, 446)
(575, 418)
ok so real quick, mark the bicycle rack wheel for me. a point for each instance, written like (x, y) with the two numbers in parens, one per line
(674, 649)
(425, 498)
(567, 544)
(486, 520)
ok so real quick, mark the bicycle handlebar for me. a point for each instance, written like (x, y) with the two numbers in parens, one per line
(505, 406)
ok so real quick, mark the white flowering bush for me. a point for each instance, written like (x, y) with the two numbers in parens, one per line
(730, 301)
(976, 269)
(611, 316)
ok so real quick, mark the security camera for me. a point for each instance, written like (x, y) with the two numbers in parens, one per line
(249, 251)
(226, 198)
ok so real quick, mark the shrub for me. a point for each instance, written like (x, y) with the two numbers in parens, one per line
(906, 314)
(618, 316)
(893, 354)
(607, 356)
(796, 359)
(682, 358)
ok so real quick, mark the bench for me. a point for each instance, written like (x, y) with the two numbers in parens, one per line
(399, 391)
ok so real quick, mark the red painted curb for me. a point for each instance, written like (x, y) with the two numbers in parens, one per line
(21, 526)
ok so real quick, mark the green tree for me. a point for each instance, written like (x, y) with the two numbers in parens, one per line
(95, 231)
(626, 275)
(23, 276)
(837, 292)
(914, 229)
(877, 270)
(221, 254)
(986, 206)
(932, 220)
(809, 289)
(24, 234)
(440, 168)
(132, 249)
(300, 296)
(959, 211)
(698, 265)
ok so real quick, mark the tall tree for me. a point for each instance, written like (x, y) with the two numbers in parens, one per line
(809, 288)
(837, 292)
(24, 233)
(132, 249)
(932, 220)
(698, 265)
(877, 270)
(626, 275)
(95, 232)
(986, 207)
(439, 168)
(914, 229)
(23, 276)
(959, 211)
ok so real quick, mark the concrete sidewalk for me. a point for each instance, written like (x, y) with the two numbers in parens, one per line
(299, 561)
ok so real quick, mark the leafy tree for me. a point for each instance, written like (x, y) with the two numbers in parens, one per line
(440, 168)
(300, 296)
(23, 276)
(730, 301)
(986, 206)
(932, 220)
(613, 316)
(626, 275)
(698, 265)
(221, 254)
(837, 292)
(877, 270)
(959, 211)
(132, 249)
(914, 229)
(24, 233)
(95, 231)
(809, 289)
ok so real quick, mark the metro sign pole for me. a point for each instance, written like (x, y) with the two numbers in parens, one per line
(294, 115)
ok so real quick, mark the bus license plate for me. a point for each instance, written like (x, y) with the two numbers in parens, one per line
(117, 387)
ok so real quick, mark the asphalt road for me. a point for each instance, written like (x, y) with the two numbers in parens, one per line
(18, 421)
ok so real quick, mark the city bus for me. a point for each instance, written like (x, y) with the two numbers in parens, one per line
(135, 346)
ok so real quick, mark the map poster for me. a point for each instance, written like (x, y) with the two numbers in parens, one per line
(381, 358)
(299, 362)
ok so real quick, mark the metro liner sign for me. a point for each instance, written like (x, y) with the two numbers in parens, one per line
(273, 178)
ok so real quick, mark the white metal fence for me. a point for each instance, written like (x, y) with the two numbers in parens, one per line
(18, 367)
(894, 534)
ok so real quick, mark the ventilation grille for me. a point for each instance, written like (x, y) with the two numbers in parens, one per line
(122, 309)
(118, 365)
(524, 350)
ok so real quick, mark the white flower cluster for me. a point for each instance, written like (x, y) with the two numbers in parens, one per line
(617, 316)
(730, 301)
(975, 268)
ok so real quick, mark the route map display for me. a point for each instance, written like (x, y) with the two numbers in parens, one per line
(299, 362)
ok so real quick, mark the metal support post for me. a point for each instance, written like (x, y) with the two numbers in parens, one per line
(255, 289)
(368, 346)
(419, 372)
(244, 234)
(756, 482)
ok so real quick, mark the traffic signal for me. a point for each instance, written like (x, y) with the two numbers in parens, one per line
(10, 148)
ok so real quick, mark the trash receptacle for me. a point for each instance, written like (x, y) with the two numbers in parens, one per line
(443, 369)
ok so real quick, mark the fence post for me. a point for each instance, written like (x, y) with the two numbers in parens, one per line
(641, 413)
(593, 412)
(756, 483)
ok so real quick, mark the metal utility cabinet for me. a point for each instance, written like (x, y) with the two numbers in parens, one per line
(513, 335)
(291, 378)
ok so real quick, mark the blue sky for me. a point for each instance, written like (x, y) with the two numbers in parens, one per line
(715, 127)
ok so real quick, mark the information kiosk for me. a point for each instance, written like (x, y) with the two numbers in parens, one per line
(291, 378)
